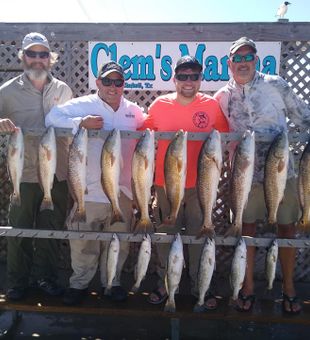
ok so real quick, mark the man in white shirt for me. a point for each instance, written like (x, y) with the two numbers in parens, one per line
(107, 109)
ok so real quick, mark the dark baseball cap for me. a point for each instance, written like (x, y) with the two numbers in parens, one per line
(244, 41)
(110, 67)
(188, 61)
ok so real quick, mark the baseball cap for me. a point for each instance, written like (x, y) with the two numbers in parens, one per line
(244, 41)
(188, 61)
(110, 67)
(34, 38)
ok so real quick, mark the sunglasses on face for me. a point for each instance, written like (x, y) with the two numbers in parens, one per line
(109, 82)
(34, 54)
(238, 58)
(184, 77)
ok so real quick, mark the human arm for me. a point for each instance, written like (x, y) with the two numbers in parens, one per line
(74, 114)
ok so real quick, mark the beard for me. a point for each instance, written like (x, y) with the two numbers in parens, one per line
(35, 73)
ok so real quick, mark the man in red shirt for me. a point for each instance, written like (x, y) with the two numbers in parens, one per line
(191, 111)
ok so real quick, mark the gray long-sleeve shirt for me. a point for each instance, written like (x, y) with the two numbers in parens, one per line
(26, 107)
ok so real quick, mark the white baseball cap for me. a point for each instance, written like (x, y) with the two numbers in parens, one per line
(34, 38)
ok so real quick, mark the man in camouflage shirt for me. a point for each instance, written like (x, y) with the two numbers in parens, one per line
(263, 103)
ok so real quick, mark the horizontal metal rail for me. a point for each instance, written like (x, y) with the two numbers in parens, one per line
(226, 137)
(156, 237)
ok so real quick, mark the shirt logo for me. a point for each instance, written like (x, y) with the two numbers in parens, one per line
(201, 119)
(129, 115)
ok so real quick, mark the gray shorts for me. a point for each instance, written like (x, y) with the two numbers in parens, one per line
(288, 211)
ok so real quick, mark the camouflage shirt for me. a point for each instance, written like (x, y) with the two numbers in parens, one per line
(265, 105)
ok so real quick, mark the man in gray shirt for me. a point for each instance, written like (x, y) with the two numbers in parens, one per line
(24, 102)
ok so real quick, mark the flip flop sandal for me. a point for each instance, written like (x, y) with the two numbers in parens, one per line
(245, 298)
(160, 297)
(291, 300)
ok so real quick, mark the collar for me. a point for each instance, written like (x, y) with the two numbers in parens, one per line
(25, 81)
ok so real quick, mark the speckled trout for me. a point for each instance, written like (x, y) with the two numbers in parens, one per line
(174, 271)
(276, 167)
(304, 189)
(77, 174)
(47, 166)
(15, 160)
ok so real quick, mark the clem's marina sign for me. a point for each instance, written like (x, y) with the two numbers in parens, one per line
(150, 65)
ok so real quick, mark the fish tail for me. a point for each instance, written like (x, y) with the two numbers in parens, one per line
(270, 227)
(169, 220)
(143, 226)
(234, 230)
(117, 216)
(47, 203)
(170, 306)
(15, 199)
(206, 230)
(79, 215)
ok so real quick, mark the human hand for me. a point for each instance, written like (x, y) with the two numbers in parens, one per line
(92, 122)
(6, 125)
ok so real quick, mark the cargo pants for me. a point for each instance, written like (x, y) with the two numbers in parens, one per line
(29, 260)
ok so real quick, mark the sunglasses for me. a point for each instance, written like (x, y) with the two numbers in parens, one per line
(237, 58)
(184, 77)
(34, 54)
(109, 82)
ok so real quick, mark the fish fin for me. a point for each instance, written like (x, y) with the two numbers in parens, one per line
(170, 306)
(48, 153)
(47, 204)
(146, 163)
(81, 156)
(303, 225)
(180, 164)
(281, 165)
(112, 158)
(218, 163)
(206, 231)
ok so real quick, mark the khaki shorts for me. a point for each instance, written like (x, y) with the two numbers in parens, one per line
(288, 211)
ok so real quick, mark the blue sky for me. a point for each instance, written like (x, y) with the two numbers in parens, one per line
(189, 11)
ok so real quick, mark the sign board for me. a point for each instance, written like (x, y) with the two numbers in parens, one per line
(150, 65)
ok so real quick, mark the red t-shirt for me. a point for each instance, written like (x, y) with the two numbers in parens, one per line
(201, 115)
